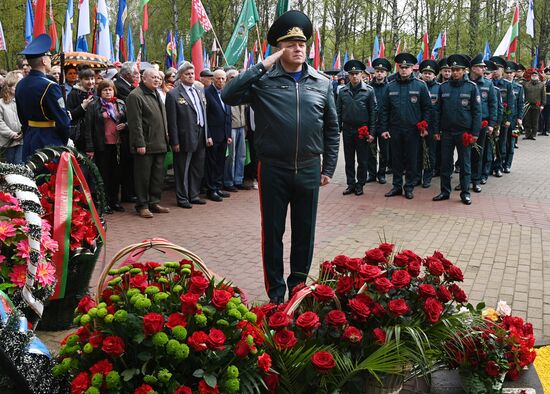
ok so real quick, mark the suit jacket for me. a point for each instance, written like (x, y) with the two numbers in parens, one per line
(123, 89)
(181, 115)
(218, 115)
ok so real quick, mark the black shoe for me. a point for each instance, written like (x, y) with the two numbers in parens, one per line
(506, 170)
(426, 185)
(223, 194)
(394, 192)
(349, 190)
(117, 207)
(441, 197)
(198, 201)
(185, 204)
(371, 179)
(215, 197)
(516, 146)
(417, 183)
(545, 134)
(458, 187)
(476, 188)
(108, 210)
(533, 138)
(498, 173)
(409, 195)
(483, 181)
(242, 186)
(358, 190)
(466, 200)
(382, 180)
(230, 189)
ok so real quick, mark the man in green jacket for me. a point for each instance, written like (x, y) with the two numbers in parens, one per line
(148, 142)
(296, 125)
(535, 96)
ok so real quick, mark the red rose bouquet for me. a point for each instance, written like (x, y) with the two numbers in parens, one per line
(363, 132)
(422, 126)
(167, 328)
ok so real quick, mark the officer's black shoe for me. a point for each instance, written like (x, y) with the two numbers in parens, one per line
(382, 180)
(394, 192)
(498, 173)
(358, 190)
(409, 195)
(457, 169)
(417, 183)
(185, 204)
(215, 197)
(545, 133)
(441, 197)
(466, 200)
(371, 179)
(108, 210)
(230, 188)
(476, 188)
(426, 185)
(349, 190)
(458, 187)
(223, 194)
(506, 170)
(483, 181)
(516, 146)
(117, 207)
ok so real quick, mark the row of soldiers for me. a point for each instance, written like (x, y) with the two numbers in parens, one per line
(414, 125)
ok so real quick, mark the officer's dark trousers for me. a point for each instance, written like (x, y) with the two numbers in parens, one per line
(404, 150)
(108, 166)
(448, 143)
(148, 179)
(545, 119)
(488, 156)
(382, 158)
(500, 156)
(477, 157)
(215, 164)
(437, 150)
(425, 171)
(510, 146)
(280, 187)
(355, 146)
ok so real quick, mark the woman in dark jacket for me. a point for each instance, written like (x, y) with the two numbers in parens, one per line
(105, 119)
(78, 100)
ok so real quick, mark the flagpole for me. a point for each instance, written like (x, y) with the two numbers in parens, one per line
(259, 41)
(219, 45)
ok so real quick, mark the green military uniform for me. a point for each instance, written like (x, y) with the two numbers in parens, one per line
(535, 96)
(356, 108)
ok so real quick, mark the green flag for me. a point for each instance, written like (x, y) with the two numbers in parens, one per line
(247, 20)
(282, 7)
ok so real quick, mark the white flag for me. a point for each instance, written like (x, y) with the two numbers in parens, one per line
(214, 46)
(83, 18)
(68, 32)
(530, 22)
(3, 45)
(504, 44)
(104, 37)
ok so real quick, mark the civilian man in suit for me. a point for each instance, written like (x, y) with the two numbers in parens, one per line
(218, 118)
(186, 115)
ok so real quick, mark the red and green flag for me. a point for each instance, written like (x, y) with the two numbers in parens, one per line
(200, 24)
(511, 54)
(52, 31)
(145, 12)
(39, 26)
(239, 39)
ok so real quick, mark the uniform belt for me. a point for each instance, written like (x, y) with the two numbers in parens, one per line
(41, 123)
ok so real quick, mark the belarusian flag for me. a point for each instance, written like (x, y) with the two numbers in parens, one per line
(425, 47)
(52, 30)
(511, 54)
(200, 24)
(317, 54)
(39, 18)
(145, 12)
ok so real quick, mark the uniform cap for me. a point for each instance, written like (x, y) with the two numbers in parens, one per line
(511, 67)
(405, 60)
(491, 66)
(354, 66)
(443, 63)
(429, 65)
(458, 61)
(500, 62)
(39, 47)
(381, 64)
(292, 25)
(477, 61)
(206, 73)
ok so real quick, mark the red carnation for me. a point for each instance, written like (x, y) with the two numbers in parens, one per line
(264, 362)
(189, 303)
(352, 334)
(279, 320)
(336, 318)
(492, 369)
(216, 339)
(537, 104)
(455, 274)
(85, 304)
(363, 132)
(323, 293)
(80, 383)
(139, 282)
(398, 307)
(422, 125)
(505, 105)
(323, 361)
(467, 139)
(176, 319)
(113, 346)
(183, 390)
(285, 339)
(103, 367)
(379, 335)
(198, 284)
(369, 272)
(382, 285)
(359, 309)
(400, 279)
(425, 290)
(386, 248)
(344, 285)
(375, 256)
(242, 348)
(433, 309)
(198, 340)
(152, 323)
(484, 123)
(308, 321)
(204, 388)
(220, 298)
(143, 389)
(96, 339)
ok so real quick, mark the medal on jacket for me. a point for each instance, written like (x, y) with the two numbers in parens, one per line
(181, 100)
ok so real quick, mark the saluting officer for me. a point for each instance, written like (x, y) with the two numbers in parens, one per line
(519, 96)
(489, 108)
(405, 104)
(458, 111)
(40, 104)
(428, 72)
(356, 108)
(509, 102)
(296, 124)
(379, 83)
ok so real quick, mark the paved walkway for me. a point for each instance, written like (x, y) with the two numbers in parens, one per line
(501, 241)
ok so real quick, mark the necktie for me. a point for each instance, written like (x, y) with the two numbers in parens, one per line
(198, 107)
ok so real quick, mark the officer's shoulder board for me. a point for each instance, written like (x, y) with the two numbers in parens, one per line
(471, 82)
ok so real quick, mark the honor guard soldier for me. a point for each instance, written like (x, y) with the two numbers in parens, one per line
(356, 108)
(457, 113)
(296, 124)
(489, 108)
(508, 102)
(444, 70)
(535, 97)
(40, 103)
(519, 95)
(545, 126)
(381, 67)
(428, 72)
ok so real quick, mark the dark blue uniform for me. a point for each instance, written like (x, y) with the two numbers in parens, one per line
(509, 103)
(458, 111)
(519, 95)
(406, 102)
(426, 170)
(545, 121)
(42, 113)
(383, 145)
(489, 113)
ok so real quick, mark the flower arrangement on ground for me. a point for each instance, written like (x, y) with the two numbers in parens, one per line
(383, 314)
(166, 329)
